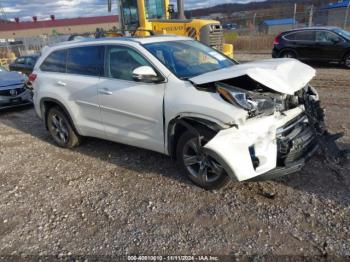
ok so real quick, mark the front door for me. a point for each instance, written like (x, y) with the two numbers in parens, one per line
(132, 112)
(329, 45)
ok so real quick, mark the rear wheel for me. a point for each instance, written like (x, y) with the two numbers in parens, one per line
(347, 60)
(61, 129)
(202, 169)
(288, 54)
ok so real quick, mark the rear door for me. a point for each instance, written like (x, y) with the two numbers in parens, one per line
(304, 44)
(73, 75)
(84, 68)
(132, 112)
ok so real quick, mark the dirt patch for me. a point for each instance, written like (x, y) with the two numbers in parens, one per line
(105, 198)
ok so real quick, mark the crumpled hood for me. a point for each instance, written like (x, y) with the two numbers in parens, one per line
(284, 75)
(10, 79)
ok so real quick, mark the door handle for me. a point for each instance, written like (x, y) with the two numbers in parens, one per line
(60, 83)
(105, 91)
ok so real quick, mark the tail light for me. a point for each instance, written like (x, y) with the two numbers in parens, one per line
(277, 39)
(32, 78)
(30, 81)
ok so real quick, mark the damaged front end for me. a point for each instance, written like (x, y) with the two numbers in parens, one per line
(281, 133)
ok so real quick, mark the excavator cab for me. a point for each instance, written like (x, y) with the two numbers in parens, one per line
(147, 17)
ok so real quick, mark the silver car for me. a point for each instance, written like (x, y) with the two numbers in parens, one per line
(13, 91)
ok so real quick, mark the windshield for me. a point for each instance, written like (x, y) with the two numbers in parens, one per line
(343, 33)
(188, 58)
(155, 9)
(130, 14)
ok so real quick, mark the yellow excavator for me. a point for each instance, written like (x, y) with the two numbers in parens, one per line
(145, 17)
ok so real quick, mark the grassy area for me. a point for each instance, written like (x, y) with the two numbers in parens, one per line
(249, 42)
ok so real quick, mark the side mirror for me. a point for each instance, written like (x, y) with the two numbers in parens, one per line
(335, 40)
(145, 74)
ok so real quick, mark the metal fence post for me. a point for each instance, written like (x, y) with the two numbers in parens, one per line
(346, 15)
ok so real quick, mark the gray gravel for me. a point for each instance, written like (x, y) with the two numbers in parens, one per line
(104, 198)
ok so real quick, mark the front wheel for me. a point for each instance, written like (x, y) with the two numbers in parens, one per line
(202, 169)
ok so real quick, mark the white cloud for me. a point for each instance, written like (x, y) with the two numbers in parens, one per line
(75, 8)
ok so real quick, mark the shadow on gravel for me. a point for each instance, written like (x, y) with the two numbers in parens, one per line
(124, 156)
(316, 178)
(321, 179)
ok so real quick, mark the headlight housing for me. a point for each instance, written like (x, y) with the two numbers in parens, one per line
(245, 100)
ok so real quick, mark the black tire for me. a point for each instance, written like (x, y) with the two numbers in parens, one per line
(288, 54)
(347, 60)
(61, 129)
(209, 179)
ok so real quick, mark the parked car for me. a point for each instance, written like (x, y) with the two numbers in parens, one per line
(12, 89)
(24, 64)
(320, 44)
(221, 120)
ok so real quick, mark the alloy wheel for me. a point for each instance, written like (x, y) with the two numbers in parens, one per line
(59, 129)
(201, 167)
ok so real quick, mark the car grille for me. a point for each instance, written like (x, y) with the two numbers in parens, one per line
(9, 92)
(295, 141)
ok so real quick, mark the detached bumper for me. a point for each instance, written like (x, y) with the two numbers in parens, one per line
(266, 147)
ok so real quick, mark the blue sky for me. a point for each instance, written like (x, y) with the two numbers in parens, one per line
(25, 9)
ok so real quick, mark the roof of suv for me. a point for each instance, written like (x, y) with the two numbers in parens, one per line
(140, 40)
(312, 28)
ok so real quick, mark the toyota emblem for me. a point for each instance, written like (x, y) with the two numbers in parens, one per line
(13, 92)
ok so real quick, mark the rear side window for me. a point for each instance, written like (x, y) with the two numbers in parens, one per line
(87, 60)
(21, 60)
(55, 62)
(305, 36)
(301, 36)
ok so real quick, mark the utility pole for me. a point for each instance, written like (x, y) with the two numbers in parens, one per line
(295, 15)
(254, 21)
(311, 15)
(346, 15)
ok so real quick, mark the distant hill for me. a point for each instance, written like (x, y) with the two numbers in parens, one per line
(273, 4)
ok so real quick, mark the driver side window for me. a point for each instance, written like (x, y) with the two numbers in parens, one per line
(121, 61)
(326, 37)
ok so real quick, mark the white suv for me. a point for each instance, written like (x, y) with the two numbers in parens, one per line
(221, 120)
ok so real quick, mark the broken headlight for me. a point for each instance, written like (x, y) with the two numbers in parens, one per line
(246, 100)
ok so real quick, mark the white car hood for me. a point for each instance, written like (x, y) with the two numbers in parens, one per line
(284, 75)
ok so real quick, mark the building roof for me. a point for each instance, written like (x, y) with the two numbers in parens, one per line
(285, 21)
(342, 4)
(14, 26)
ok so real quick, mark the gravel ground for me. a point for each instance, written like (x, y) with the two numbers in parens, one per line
(104, 198)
